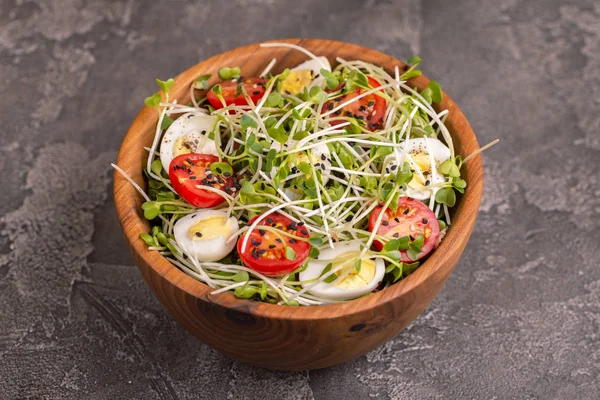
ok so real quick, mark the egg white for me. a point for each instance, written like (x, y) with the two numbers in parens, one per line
(315, 66)
(210, 249)
(420, 147)
(329, 290)
(190, 127)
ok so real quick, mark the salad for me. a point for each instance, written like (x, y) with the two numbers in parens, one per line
(315, 185)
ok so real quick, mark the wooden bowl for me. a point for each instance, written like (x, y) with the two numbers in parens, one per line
(285, 337)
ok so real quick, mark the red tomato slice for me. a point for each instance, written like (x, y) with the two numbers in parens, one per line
(188, 170)
(232, 94)
(265, 251)
(411, 218)
(370, 109)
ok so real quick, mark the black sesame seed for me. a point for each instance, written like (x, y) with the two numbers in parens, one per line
(317, 75)
(411, 237)
(292, 226)
(396, 219)
(256, 92)
(425, 221)
(287, 184)
(380, 205)
(304, 232)
(385, 223)
(368, 117)
(323, 167)
(394, 167)
(270, 220)
(227, 174)
(396, 235)
(371, 104)
(427, 182)
(255, 242)
(348, 114)
(323, 157)
(362, 108)
(272, 246)
(198, 234)
(410, 198)
(338, 112)
(406, 211)
(261, 232)
(330, 106)
(254, 253)
(338, 99)
(278, 240)
(193, 177)
(292, 241)
(288, 92)
(262, 251)
(237, 186)
(301, 223)
(359, 117)
(274, 225)
(262, 186)
(219, 170)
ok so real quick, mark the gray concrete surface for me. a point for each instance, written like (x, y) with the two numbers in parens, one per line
(518, 319)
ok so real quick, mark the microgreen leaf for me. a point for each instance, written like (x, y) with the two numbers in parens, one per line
(247, 122)
(300, 135)
(449, 168)
(201, 82)
(290, 254)
(330, 78)
(446, 196)
(245, 292)
(304, 167)
(436, 91)
(404, 175)
(273, 99)
(165, 86)
(357, 264)
(314, 253)
(278, 134)
(391, 245)
(229, 73)
(147, 238)
(315, 241)
(156, 166)
(410, 74)
(166, 122)
(414, 60)
(241, 276)
(331, 277)
(442, 224)
(220, 168)
(153, 100)
(357, 79)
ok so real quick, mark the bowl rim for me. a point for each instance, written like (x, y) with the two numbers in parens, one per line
(128, 201)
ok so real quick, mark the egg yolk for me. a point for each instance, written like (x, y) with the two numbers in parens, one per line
(355, 279)
(422, 161)
(210, 228)
(296, 81)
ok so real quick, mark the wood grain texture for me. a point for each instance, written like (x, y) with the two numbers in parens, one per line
(280, 337)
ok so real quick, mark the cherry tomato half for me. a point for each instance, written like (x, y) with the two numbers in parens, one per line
(371, 108)
(232, 92)
(265, 251)
(411, 218)
(186, 171)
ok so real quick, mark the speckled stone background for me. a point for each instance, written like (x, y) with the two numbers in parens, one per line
(518, 319)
